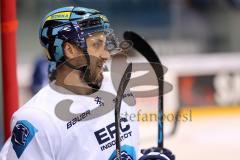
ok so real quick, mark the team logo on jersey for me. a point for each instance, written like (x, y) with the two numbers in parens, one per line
(105, 136)
(99, 101)
(22, 134)
(127, 153)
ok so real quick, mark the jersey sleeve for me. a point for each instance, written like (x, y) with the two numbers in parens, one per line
(33, 136)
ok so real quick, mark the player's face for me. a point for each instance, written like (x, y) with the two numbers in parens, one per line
(98, 56)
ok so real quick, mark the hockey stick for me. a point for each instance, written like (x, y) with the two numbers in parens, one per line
(122, 86)
(176, 123)
(146, 50)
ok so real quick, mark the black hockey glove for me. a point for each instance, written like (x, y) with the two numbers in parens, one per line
(156, 154)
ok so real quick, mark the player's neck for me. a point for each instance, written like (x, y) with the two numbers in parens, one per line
(70, 80)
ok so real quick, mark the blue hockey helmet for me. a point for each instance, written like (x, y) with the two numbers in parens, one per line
(69, 24)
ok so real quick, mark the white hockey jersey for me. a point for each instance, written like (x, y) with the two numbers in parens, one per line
(60, 126)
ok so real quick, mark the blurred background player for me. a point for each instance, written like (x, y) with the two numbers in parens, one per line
(40, 74)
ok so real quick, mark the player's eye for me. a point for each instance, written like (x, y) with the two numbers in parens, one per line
(97, 44)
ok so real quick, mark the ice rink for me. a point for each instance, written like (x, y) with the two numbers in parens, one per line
(204, 138)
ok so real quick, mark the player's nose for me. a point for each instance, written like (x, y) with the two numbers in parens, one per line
(105, 55)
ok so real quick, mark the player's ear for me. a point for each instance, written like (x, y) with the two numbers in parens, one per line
(70, 50)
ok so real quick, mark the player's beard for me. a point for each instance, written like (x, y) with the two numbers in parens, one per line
(94, 74)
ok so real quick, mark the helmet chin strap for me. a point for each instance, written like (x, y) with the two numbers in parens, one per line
(84, 70)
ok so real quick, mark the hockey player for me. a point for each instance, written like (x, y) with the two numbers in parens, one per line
(59, 122)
